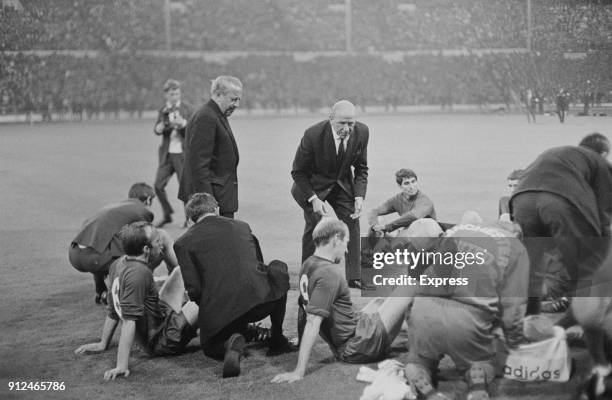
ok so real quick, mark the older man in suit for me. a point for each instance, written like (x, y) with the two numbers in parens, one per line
(171, 122)
(225, 275)
(331, 165)
(211, 157)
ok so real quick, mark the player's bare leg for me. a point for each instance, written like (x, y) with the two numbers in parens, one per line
(392, 314)
(172, 293)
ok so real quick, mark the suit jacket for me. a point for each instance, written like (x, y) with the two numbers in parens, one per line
(315, 170)
(211, 158)
(579, 175)
(98, 231)
(223, 274)
(185, 110)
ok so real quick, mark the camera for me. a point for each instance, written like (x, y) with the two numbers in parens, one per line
(166, 117)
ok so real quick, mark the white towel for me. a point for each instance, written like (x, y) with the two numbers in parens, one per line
(388, 383)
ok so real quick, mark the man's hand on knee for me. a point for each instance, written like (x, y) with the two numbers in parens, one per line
(319, 207)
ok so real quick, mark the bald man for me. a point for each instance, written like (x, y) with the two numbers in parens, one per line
(331, 166)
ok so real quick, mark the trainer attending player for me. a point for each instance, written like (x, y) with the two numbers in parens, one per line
(159, 321)
(410, 203)
(97, 245)
(331, 165)
(211, 157)
(566, 195)
(225, 275)
(326, 309)
(171, 122)
(458, 320)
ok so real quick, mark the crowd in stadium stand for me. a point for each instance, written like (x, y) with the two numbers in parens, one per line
(113, 78)
(103, 85)
(295, 25)
(82, 25)
(387, 25)
(572, 25)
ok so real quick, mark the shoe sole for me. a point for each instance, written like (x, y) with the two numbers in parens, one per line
(231, 361)
(422, 383)
(478, 382)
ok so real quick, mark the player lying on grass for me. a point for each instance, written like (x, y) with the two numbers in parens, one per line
(325, 307)
(159, 321)
(410, 203)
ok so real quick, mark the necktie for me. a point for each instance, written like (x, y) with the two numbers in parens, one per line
(341, 151)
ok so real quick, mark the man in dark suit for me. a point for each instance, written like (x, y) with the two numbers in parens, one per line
(171, 122)
(97, 245)
(211, 156)
(224, 274)
(564, 200)
(331, 165)
(565, 196)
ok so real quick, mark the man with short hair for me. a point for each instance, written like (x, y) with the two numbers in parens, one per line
(503, 208)
(326, 309)
(596, 142)
(97, 245)
(565, 198)
(158, 321)
(211, 157)
(171, 122)
(331, 165)
(410, 203)
(225, 275)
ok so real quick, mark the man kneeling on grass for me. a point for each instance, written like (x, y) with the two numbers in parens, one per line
(159, 321)
(485, 287)
(326, 307)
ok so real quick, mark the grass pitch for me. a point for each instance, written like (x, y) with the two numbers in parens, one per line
(54, 176)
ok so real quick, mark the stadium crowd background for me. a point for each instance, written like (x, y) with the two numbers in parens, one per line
(97, 58)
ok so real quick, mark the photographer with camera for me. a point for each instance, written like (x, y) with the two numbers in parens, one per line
(171, 122)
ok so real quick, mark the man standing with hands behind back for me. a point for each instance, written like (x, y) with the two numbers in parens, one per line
(331, 166)
(171, 122)
(211, 157)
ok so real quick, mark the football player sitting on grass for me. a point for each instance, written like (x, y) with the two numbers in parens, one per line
(325, 307)
(159, 321)
(410, 203)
